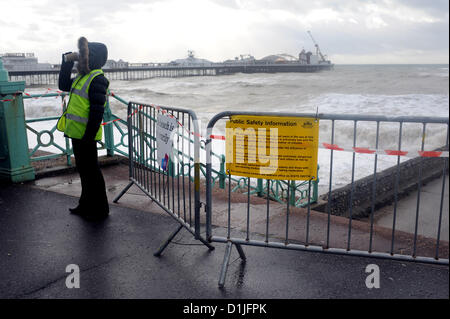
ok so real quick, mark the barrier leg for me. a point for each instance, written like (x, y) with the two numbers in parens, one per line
(204, 242)
(241, 252)
(123, 192)
(167, 242)
(226, 260)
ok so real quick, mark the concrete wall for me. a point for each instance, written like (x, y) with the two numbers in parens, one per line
(432, 168)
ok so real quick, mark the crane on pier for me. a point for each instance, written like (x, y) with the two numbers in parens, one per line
(318, 52)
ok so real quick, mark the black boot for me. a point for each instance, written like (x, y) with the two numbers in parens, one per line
(97, 214)
(96, 217)
(77, 211)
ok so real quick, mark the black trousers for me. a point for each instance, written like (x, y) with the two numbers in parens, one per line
(93, 197)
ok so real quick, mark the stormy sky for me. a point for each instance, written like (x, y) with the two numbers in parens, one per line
(348, 31)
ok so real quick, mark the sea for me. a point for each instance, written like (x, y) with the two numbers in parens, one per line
(388, 90)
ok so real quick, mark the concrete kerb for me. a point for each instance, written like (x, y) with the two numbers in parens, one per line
(48, 168)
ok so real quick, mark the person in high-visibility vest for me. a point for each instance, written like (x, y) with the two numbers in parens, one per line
(82, 122)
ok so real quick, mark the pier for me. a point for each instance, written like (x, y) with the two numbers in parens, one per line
(44, 77)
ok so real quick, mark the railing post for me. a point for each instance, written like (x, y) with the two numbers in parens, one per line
(14, 153)
(291, 198)
(67, 140)
(259, 188)
(315, 183)
(108, 129)
(222, 174)
(171, 169)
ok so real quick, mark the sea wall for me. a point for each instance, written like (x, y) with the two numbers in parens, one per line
(432, 168)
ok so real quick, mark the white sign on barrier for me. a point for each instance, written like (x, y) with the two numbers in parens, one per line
(164, 139)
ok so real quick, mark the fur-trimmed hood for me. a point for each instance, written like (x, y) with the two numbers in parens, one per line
(92, 55)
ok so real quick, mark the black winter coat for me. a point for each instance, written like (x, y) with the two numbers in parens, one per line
(97, 97)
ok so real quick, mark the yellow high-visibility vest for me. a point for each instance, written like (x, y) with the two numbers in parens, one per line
(73, 122)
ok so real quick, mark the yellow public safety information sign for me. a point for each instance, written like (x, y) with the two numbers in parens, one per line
(282, 148)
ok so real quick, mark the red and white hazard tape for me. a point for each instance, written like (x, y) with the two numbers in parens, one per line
(110, 122)
(33, 97)
(59, 93)
(217, 137)
(334, 147)
(160, 109)
(365, 150)
(119, 119)
(13, 97)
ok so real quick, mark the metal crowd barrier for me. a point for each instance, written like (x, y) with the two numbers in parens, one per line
(177, 189)
(241, 234)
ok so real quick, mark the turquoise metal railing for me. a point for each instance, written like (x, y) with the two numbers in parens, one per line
(65, 149)
(278, 190)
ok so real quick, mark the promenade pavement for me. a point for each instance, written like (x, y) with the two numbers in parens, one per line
(39, 239)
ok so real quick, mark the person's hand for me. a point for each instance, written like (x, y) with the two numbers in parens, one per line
(63, 60)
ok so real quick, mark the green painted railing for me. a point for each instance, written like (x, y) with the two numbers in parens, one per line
(40, 144)
(278, 190)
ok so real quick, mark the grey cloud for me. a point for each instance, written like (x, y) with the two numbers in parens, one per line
(348, 38)
(435, 7)
(297, 7)
(227, 3)
(33, 27)
(353, 40)
(91, 13)
(90, 6)
(34, 36)
(266, 36)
